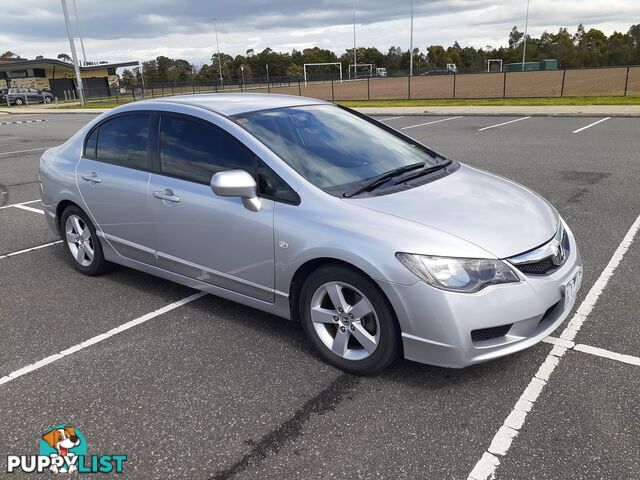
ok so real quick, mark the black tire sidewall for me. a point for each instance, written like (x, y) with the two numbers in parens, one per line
(19, 101)
(389, 346)
(99, 263)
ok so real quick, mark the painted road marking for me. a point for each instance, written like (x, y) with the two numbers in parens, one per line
(501, 442)
(598, 352)
(25, 151)
(19, 252)
(429, 123)
(503, 123)
(390, 118)
(29, 209)
(16, 204)
(591, 125)
(98, 338)
(16, 122)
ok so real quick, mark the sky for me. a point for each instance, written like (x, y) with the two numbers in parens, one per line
(116, 30)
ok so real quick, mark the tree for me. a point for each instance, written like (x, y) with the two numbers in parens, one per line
(294, 71)
(9, 54)
(128, 78)
(64, 57)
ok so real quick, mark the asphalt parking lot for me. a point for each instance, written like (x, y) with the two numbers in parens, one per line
(210, 389)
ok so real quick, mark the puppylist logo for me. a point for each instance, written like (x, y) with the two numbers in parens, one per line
(63, 449)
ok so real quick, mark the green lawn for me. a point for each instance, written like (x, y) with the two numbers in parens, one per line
(543, 101)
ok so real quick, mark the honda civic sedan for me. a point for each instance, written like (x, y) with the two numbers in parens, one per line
(380, 246)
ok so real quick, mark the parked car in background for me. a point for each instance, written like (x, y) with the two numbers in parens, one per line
(24, 96)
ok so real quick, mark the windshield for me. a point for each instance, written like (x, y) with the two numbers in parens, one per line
(329, 146)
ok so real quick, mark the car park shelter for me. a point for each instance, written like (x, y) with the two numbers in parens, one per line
(57, 76)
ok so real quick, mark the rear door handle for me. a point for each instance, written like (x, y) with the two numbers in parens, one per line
(167, 195)
(92, 177)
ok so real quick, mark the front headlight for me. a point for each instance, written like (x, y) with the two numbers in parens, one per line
(466, 275)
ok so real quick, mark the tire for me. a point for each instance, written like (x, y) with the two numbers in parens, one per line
(47, 99)
(361, 338)
(19, 101)
(81, 243)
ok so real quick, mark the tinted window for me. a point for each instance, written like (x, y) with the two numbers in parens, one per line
(272, 186)
(196, 151)
(90, 146)
(123, 140)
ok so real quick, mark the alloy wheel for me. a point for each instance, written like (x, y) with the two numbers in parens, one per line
(79, 240)
(345, 321)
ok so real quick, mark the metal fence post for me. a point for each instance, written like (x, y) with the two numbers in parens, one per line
(268, 87)
(626, 82)
(504, 85)
(299, 89)
(332, 94)
(116, 92)
(368, 89)
(454, 85)
(564, 74)
(409, 87)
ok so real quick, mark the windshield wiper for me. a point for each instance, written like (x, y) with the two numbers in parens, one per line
(424, 171)
(383, 178)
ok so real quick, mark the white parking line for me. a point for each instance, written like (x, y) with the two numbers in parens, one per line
(25, 151)
(390, 118)
(591, 125)
(598, 352)
(16, 204)
(430, 123)
(503, 123)
(488, 463)
(6, 255)
(30, 209)
(98, 338)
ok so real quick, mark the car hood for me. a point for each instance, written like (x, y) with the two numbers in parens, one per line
(498, 215)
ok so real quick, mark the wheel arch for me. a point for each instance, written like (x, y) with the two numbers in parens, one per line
(60, 208)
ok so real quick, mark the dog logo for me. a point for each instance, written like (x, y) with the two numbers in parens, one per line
(66, 442)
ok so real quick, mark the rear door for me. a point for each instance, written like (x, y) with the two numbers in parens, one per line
(113, 178)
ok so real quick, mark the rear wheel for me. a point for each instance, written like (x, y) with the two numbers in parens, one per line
(348, 320)
(81, 242)
(47, 99)
(19, 101)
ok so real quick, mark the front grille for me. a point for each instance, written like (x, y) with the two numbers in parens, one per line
(490, 333)
(543, 267)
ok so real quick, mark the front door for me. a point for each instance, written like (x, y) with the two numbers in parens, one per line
(113, 177)
(200, 235)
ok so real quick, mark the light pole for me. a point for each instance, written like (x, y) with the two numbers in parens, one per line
(411, 44)
(73, 52)
(526, 25)
(84, 54)
(242, 71)
(215, 27)
(355, 63)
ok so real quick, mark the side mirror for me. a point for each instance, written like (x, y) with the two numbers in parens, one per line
(237, 183)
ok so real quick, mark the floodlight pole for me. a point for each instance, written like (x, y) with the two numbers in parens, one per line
(73, 52)
(215, 27)
(355, 74)
(526, 25)
(84, 54)
(410, 44)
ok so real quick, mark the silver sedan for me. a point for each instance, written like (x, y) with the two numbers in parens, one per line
(380, 246)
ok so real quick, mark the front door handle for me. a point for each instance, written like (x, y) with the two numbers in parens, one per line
(167, 195)
(92, 177)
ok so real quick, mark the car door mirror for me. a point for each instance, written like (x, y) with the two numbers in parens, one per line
(237, 183)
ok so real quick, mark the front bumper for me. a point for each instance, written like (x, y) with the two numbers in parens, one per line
(436, 325)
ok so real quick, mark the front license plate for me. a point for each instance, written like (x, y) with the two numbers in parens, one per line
(571, 287)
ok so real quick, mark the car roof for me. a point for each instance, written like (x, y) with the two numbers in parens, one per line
(238, 103)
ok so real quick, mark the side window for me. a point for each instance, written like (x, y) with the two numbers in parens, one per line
(272, 186)
(91, 144)
(196, 151)
(123, 141)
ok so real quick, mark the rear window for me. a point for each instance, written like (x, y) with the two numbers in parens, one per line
(124, 141)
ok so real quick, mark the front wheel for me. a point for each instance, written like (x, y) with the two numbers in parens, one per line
(348, 320)
(47, 99)
(19, 101)
(81, 242)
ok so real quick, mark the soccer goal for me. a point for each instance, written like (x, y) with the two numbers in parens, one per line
(317, 65)
(355, 71)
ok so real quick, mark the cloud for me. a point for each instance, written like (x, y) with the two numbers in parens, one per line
(142, 29)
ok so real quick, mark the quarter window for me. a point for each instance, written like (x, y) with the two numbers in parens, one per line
(196, 151)
(90, 146)
(123, 141)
